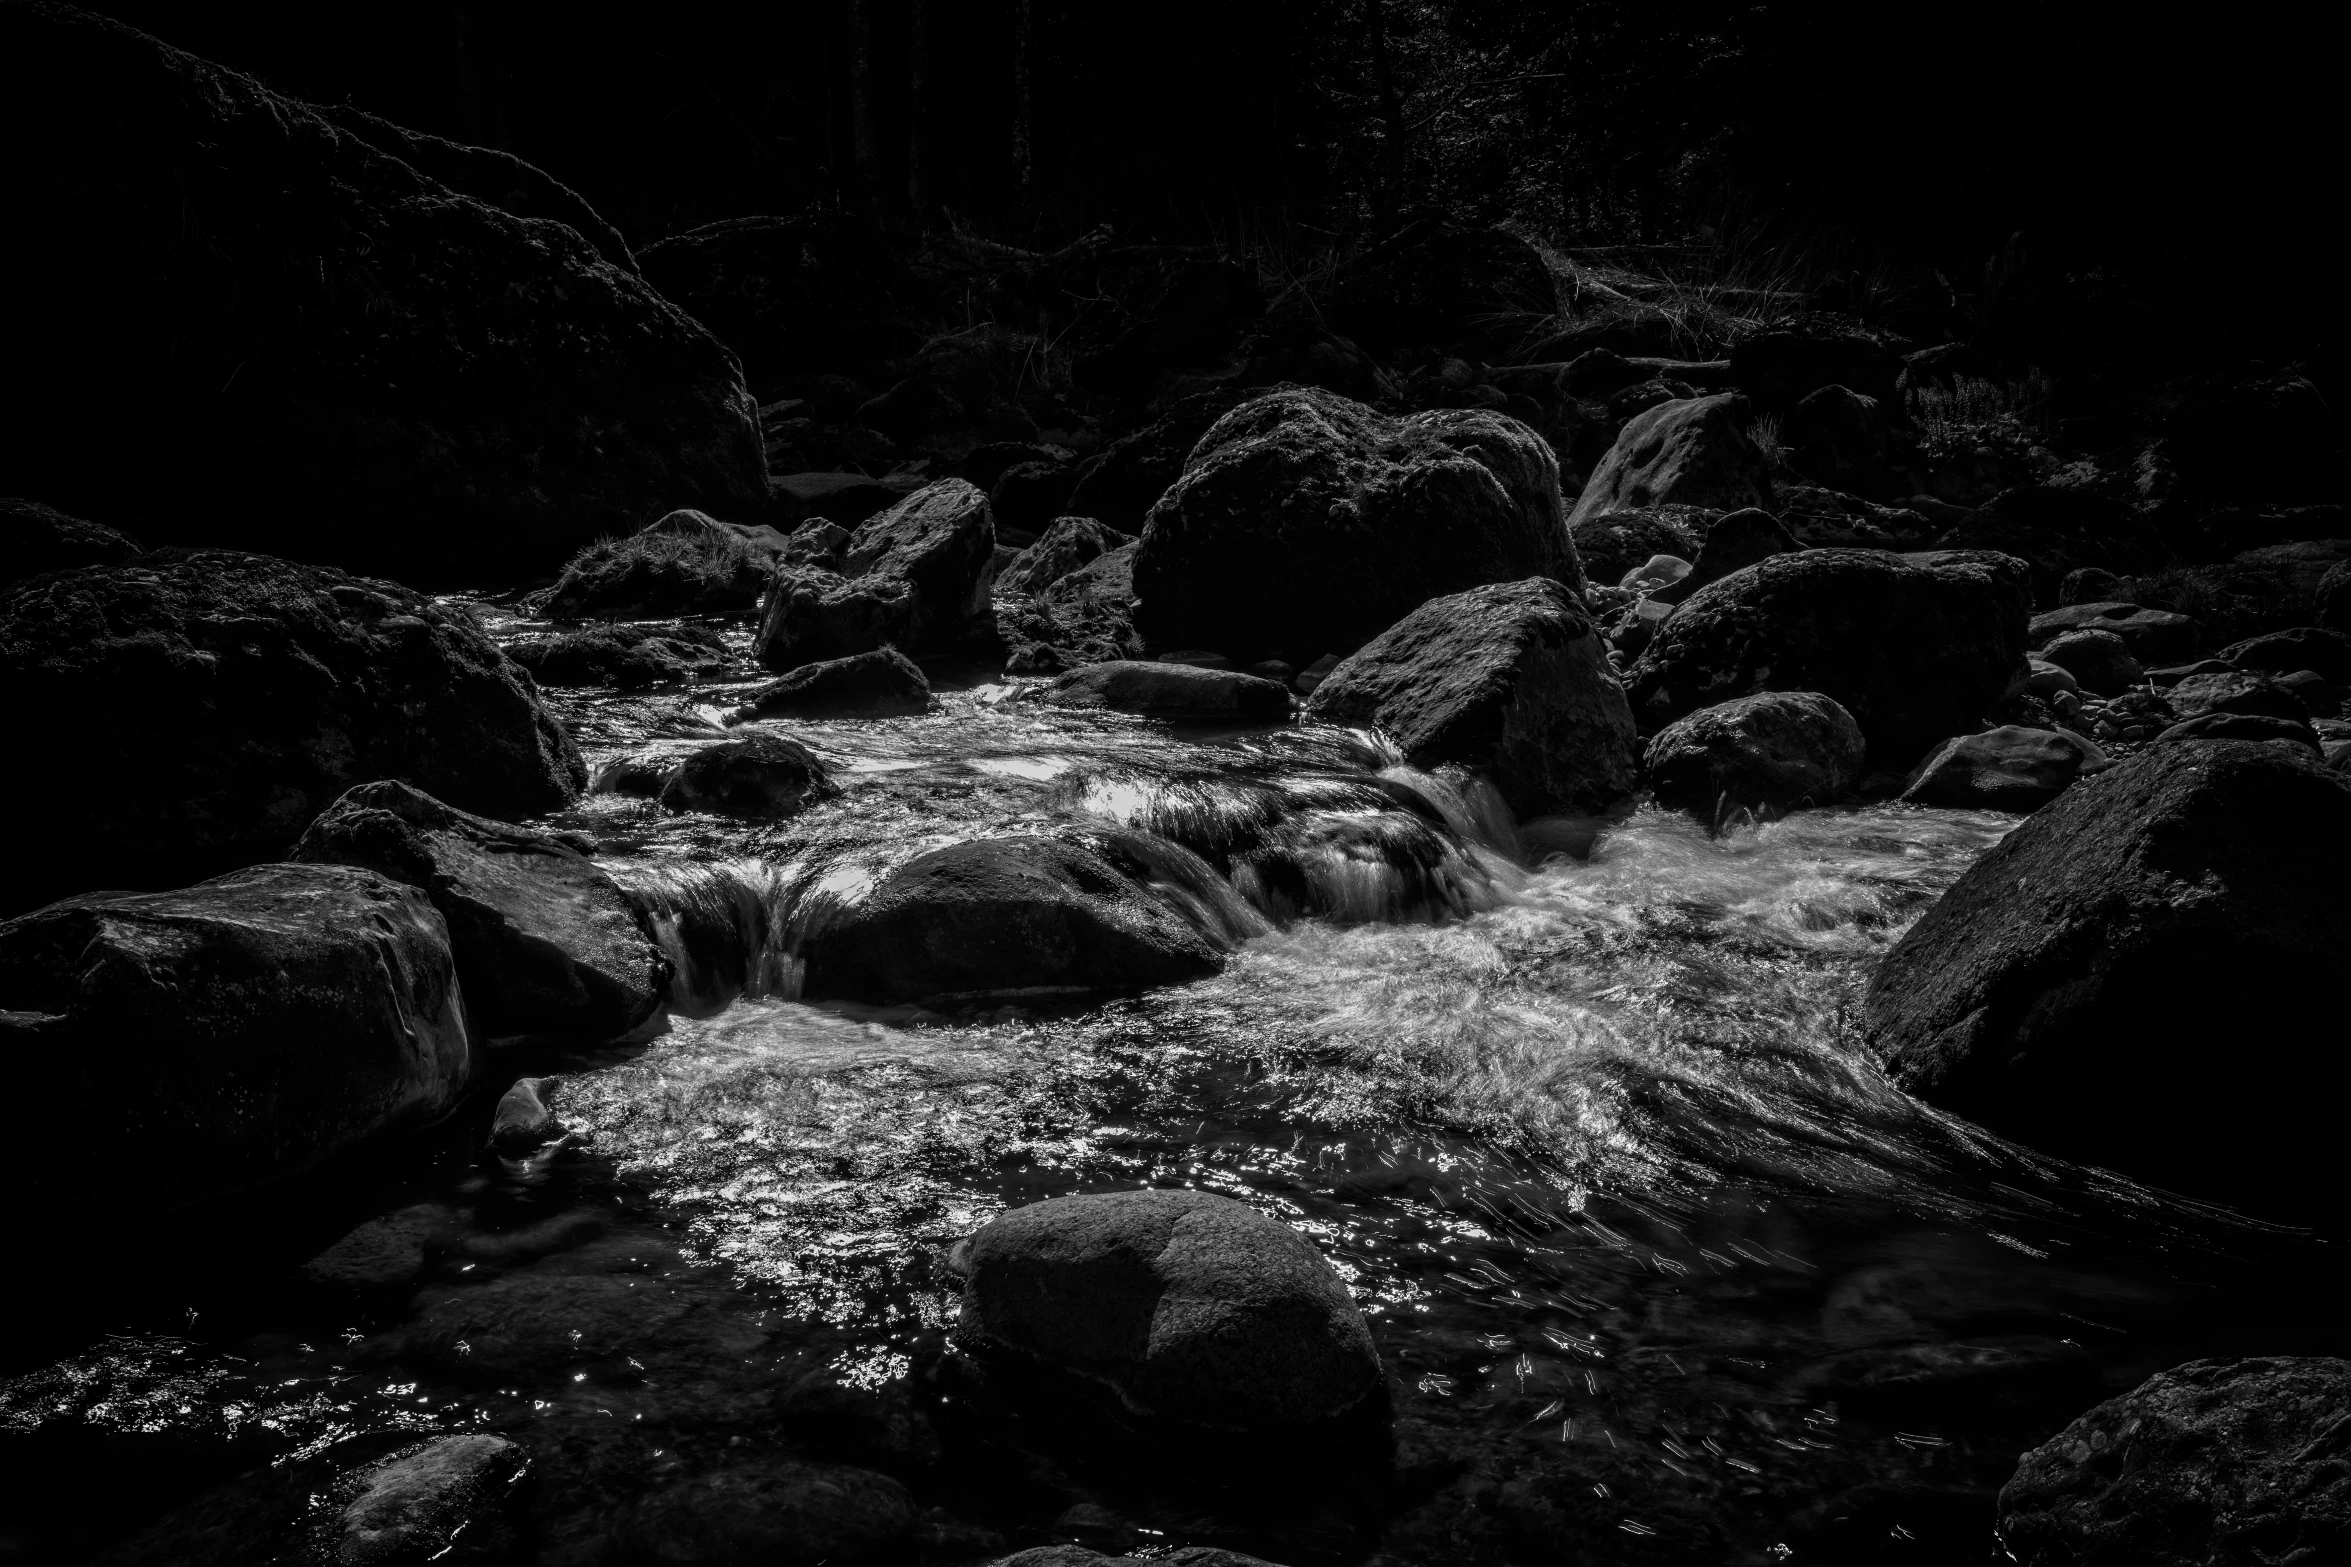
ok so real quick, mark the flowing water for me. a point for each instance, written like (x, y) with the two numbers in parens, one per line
(1661, 1267)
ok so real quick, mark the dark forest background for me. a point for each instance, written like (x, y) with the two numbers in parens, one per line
(2194, 150)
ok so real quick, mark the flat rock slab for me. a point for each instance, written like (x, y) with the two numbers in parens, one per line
(1175, 691)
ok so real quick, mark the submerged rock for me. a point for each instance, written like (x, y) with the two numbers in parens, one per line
(1511, 679)
(362, 364)
(2214, 1461)
(1305, 523)
(1690, 452)
(884, 683)
(911, 578)
(1168, 690)
(1187, 1307)
(180, 1045)
(545, 941)
(759, 775)
(2086, 985)
(444, 1500)
(1773, 751)
(36, 538)
(782, 1513)
(220, 701)
(1915, 647)
(1003, 917)
(2005, 769)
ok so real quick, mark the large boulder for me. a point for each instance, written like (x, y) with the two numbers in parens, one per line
(2099, 661)
(1610, 544)
(1688, 452)
(545, 941)
(1070, 542)
(1122, 482)
(1085, 617)
(1003, 918)
(1305, 524)
(1185, 1306)
(2099, 982)
(2216, 1461)
(884, 683)
(912, 578)
(35, 538)
(1774, 751)
(174, 1046)
(1915, 647)
(757, 774)
(217, 702)
(625, 657)
(357, 363)
(1733, 543)
(2010, 768)
(1175, 691)
(1511, 679)
(685, 563)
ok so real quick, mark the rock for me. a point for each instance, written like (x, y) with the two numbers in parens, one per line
(2257, 727)
(2234, 692)
(1655, 574)
(1003, 918)
(1818, 518)
(1310, 678)
(757, 775)
(2272, 588)
(386, 1253)
(911, 578)
(1915, 647)
(1161, 689)
(545, 942)
(1734, 542)
(2076, 986)
(1776, 751)
(2088, 585)
(449, 1494)
(522, 1120)
(2005, 769)
(186, 1044)
(2332, 598)
(1610, 544)
(1028, 496)
(1637, 627)
(2043, 678)
(686, 563)
(1305, 522)
(2214, 1461)
(1510, 679)
(818, 542)
(362, 364)
(1187, 1307)
(1781, 366)
(36, 538)
(1693, 452)
(884, 683)
(2056, 531)
(783, 1512)
(2099, 660)
(815, 292)
(2300, 647)
(1122, 482)
(626, 658)
(2154, 636)
(1086, 617)
(1069, 543)
(844, 498)
(241, 695)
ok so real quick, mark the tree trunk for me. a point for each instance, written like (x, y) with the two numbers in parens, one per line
(1388, 192)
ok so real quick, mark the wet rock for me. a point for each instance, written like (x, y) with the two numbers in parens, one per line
(1692, 452)
(446, 1500)
(2099, 660)
(544, 940)
(389, 1252)
(2256, 727)
(1086, 617)
(1734, 542)
(2154, 636)
(2074, 988)
(536, 1326)
(1172, 690)
(1774, 751)
(2004, 769)
(626, 658)
(239, 1031)
(36, 538)
(783, 1511)
(1510, 679)
(1610, 544)
(1915, 647)
(240, 695)
(2300, 647)
(2234, 692)
(884, 683)
(1187, 1307)
(756, 775)
(2214, 1461)
(1304, 522)
(523, 1119)
(1080, 1556)
(362, 363)
(911, 578)
(1657, 573)
(685, 563)
(1003, 918)
(1069, 543)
